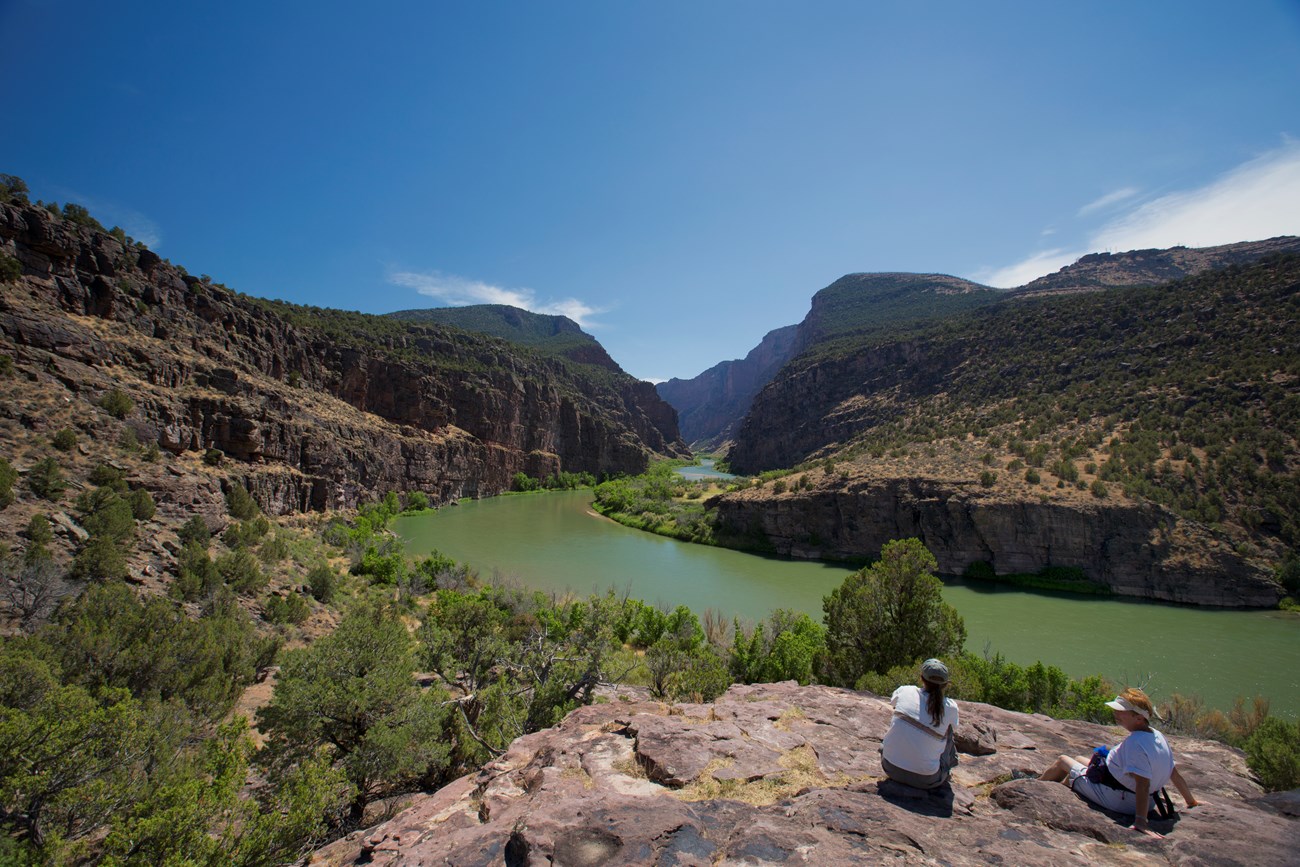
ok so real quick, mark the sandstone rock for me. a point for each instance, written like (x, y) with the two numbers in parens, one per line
(585, 792)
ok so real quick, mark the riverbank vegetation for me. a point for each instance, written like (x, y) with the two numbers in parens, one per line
(426, 673)
(662, 501)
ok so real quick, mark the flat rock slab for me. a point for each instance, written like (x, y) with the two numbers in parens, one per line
(783, 774)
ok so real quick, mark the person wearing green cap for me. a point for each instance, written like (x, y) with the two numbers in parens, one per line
(917, 750)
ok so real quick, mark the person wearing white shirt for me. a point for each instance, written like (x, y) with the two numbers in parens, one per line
(1133, 771)
(921, 731)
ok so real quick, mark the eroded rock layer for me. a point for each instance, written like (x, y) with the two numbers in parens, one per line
(324, 408)
(1134, 549)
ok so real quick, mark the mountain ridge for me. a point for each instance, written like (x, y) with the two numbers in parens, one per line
(858, 305)
(321, 408)
(550, 333)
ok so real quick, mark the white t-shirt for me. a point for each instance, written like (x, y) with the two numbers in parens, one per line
(909, 748)
(1144, 753)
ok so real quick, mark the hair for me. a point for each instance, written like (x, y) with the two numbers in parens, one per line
(1138, 698)
(934, 699)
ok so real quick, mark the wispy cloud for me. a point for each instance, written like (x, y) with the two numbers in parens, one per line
(1259, 199)
(111, 214)
(1256, 200)
(461, 291)
(1108, 200)
(1022, 272)
(136, 225)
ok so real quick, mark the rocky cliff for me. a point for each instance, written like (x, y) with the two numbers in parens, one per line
(1134, 549)
(554, 335)
(710, 405)
(782, 774)
(322, 407)
(1148, 267)
(1172, 399)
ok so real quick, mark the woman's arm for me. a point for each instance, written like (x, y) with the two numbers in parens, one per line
(1183, 789)
(1143, 793)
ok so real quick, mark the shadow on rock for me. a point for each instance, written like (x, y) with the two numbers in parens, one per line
(927, 802)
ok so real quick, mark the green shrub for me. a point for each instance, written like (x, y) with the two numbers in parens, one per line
(524, 482)
(1032, 477)
(108, 476)
(1098, 489)
(6, 365)
(13, 189)
(128, 441)
(246, 534)
(38, 530)
(8, 475)
(386, 569)
(322, 581)
(117, 403)
(988, 478)
(101, 558)
(75, 213)
(1273, 753)
(213, 457)
(1288, 574)
(198, 576)
(336, 533)
(65, 440)
(240, 503)
(889, 614)
(105, 512)
(290, 608)
(241, 571)
(273, 550)
(416, 501)
(45, 479)
(10, 269)
(194, 530)
(142, 504)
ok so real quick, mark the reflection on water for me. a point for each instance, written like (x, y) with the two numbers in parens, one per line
(554, 542)
(703, 470)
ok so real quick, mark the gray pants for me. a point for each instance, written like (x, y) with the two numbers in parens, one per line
(916, 781)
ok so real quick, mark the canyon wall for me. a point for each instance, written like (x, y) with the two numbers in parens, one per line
(1135, 549)
(711, 404)
(324, 408)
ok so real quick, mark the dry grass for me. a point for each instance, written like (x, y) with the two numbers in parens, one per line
(630, 767)
(801, 772)
(578, 773)
(787, 717)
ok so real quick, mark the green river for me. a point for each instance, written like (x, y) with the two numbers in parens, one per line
(554, 542)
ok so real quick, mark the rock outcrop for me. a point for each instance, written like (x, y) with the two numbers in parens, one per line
(1149, 267)
(782, 774)
(556, 335)
(322, 408)
(1134, 549)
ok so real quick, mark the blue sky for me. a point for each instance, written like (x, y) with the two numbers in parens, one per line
(679, 177)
